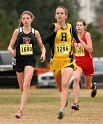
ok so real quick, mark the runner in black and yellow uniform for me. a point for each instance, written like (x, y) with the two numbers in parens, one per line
(22, 48)
(60, 36)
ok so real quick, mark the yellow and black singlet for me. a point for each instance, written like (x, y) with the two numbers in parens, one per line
(60, 42)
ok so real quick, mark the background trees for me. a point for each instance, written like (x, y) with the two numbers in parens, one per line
(99, 13)
(44, 11)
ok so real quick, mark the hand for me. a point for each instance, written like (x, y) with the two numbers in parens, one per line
(42, 58)
(75, 44)
(58, 27)
(14, 52)
(80, 46)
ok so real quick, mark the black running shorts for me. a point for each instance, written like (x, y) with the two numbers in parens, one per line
(22, 61)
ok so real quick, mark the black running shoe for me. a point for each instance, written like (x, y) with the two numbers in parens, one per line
(60, 115)
(94, 90)
(75, 106)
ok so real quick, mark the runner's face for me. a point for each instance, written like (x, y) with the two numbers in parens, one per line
(60, 15)
(26, 20)
(80, 27)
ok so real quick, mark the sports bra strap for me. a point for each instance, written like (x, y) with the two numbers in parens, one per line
(20, 29)
(32, 30)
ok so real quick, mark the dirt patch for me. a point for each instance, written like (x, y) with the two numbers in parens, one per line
(45, 111)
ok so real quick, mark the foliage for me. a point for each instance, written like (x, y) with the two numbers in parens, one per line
(5, 30)
(44, 12)
(100, 7)
(99, 17)
(97, 40)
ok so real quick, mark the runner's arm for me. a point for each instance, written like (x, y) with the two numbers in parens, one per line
(49, 35)
(75, 36)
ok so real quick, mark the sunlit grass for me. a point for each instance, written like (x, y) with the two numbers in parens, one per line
(13, 96)
(43, 105)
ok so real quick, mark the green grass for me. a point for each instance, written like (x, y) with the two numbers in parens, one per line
(43, 105)
(12, 96)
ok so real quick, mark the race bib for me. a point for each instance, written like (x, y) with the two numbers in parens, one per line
(26, 49)
(13, 61)
(61, 49)
(79, 52)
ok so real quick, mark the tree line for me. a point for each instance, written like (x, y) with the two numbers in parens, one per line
(44, 12)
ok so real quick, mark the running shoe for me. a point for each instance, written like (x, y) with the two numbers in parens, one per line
(67, 102)
(61, 114)
(19, 115)
(94, 90)
(75, 106)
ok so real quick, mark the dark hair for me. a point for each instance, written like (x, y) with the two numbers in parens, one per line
(66, 12)
(81, 20)
(25, 12)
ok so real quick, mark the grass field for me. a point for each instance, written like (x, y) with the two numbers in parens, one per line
(43, 105)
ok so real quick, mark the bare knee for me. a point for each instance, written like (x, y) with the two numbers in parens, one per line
(64, 85)
(26, 86)
(76, 80)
